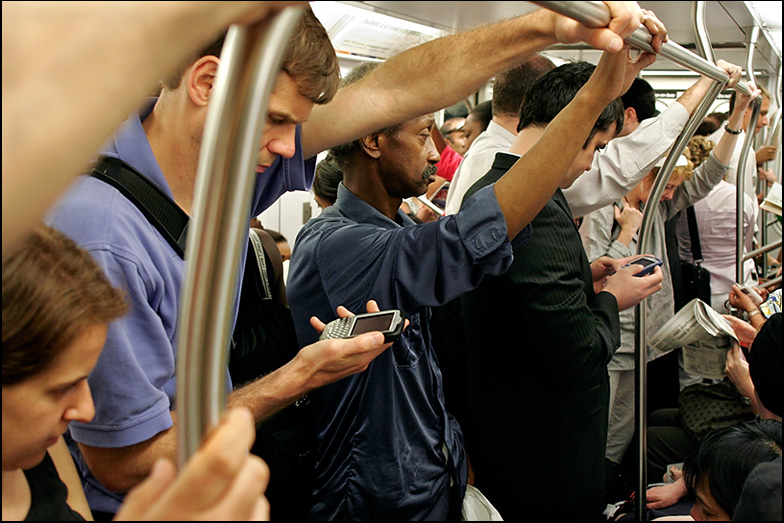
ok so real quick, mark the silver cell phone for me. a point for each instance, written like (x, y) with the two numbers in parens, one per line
(433, 207)
(389, 322)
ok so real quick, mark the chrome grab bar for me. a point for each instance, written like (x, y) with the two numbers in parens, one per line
(644, 245)
(250, 62)
(597, 14)
(762, 250)
(702, 40)
(740, 233)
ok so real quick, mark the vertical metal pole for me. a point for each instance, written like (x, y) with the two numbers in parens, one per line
(773, 139)
(250, 62)
(644, 245)
(702, 39)
(740, 181)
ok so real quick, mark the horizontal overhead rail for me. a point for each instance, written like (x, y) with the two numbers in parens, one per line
(597, 14)
(762, 250)
(770, 283)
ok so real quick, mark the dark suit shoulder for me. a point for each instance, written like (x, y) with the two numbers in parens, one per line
(502, 163)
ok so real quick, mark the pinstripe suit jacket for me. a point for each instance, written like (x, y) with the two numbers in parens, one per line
(539, 340)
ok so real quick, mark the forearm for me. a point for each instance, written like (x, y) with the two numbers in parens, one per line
(726, 146)
(383, 99)
(692, 97)
(275, 391)
(120, 469)
(474, 57)
(65, 92)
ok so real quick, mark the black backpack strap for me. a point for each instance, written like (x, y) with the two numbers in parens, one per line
(694, 234)
(157, 206)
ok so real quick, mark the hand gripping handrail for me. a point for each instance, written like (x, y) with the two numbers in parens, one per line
(597, 14)
(250, 62)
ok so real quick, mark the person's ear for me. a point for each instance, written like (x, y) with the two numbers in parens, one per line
(371, 145)
(630, 114)
(200, 79)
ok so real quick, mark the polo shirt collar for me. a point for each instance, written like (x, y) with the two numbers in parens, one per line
(130, 144)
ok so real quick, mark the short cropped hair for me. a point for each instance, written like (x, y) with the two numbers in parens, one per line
(341, 154)
(510, 87)
(483, 112)
(726, 457)
(553, 92)
(52, 291)
(642, 98)
(310, 60)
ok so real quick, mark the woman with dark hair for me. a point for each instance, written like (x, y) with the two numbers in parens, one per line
(325, 183)
(57, 307)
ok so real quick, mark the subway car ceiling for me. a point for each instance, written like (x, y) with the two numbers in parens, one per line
(378, 29)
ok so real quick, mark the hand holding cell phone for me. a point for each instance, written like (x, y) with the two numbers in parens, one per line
(649, 263)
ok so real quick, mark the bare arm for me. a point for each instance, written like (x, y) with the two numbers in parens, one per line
(66, 469)
(726, 146)
(402, 87)
(318, 364)
(65, 90)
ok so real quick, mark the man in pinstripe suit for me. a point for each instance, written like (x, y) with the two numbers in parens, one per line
(539, 338)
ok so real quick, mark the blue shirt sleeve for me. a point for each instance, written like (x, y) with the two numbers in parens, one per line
(415, 266)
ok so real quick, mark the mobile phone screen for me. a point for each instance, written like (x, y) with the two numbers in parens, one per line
(373, 323)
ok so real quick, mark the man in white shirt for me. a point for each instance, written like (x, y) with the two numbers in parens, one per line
(509, 88)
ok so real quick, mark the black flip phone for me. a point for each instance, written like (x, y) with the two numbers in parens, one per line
(648, 262)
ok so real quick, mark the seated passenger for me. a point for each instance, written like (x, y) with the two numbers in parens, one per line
(716, 473)
(388, 447)
(761, 378)
(57, 305)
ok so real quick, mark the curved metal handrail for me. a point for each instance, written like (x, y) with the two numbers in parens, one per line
(597, 14)
(251, 59)
(702, 40)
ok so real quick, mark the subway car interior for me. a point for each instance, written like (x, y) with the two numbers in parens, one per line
(553, 348)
